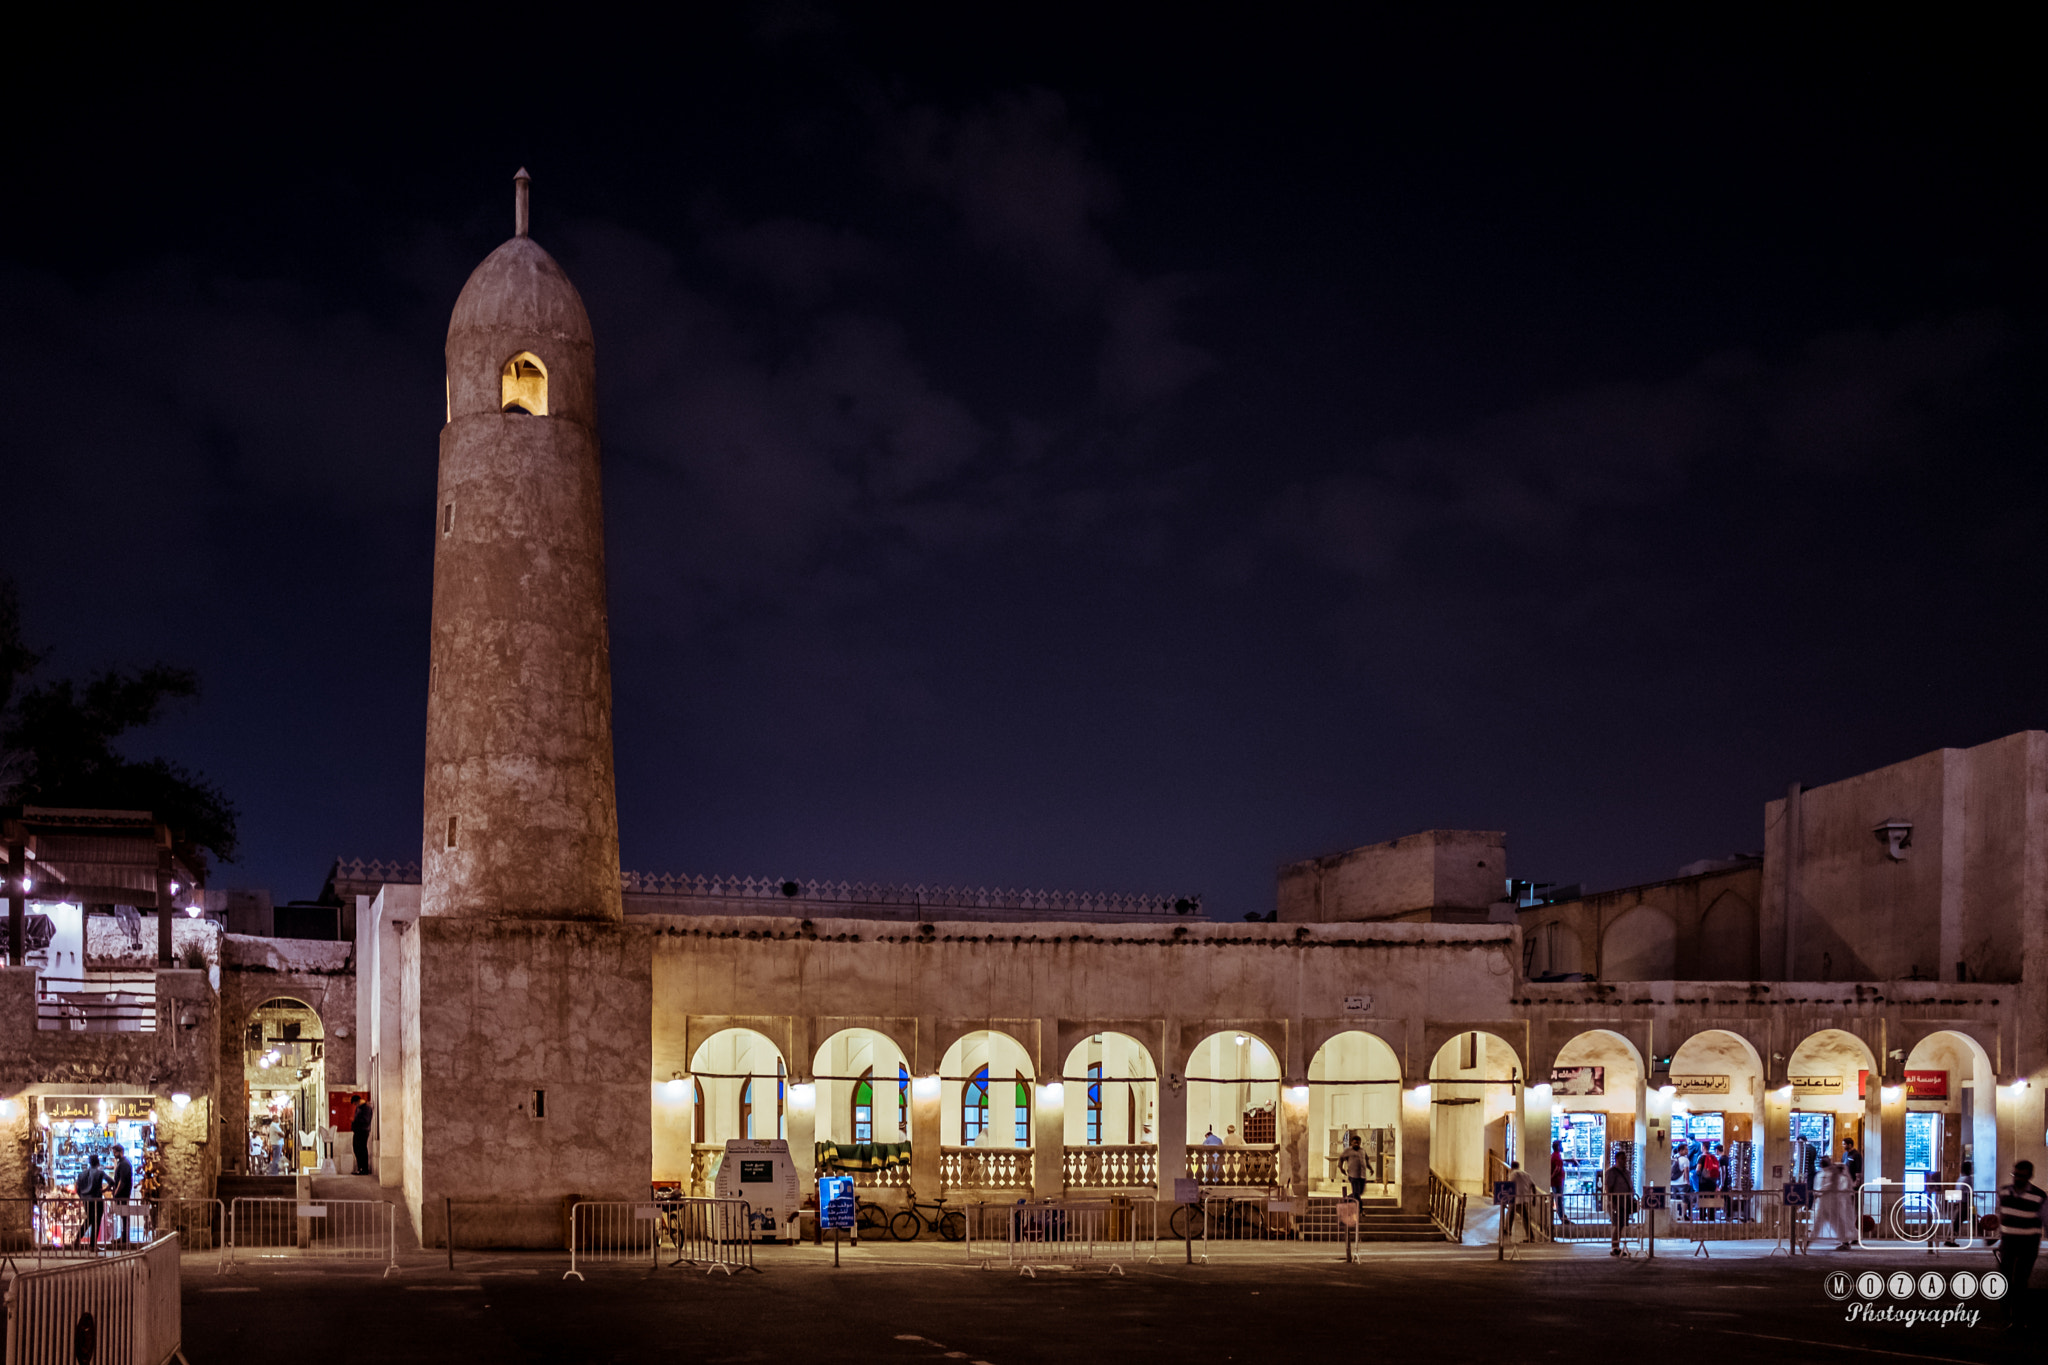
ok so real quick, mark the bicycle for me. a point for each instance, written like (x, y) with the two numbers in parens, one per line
(869, 1218)
(950, 1224)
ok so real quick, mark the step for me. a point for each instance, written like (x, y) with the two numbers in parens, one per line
(233, 1187)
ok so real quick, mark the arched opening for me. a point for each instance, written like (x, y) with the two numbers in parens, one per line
(740, 1090)
(1112, 1097)
(1354, 1090)
(523, 386)
(1831, 1073)
(1951, 1127)
(1233, 1082)
(284, 1053)
(1551, 952)
(1640, 946)
(1475, 1083)
(985, 1081)
(1727, 941)
(1717, 1099)
(863, 1098)
(1596, 1114)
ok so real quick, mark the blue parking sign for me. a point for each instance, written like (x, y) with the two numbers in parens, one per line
(835, 1201)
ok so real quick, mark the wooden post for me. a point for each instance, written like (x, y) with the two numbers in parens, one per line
(164, 912)
(17, 899)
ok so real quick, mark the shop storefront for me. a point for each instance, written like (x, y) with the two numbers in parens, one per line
(71, 1129)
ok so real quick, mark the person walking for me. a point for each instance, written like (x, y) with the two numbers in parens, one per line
(121, 1188)
(2019, 1237)
(1353, 1165)
(1557, 1181)
(1525, 1196)
(1834, 1200)
(1852, 1162)
(90, 1186)
(1620, 1201)
(359, 1126)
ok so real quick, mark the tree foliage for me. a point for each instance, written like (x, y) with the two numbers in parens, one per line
(57, 745)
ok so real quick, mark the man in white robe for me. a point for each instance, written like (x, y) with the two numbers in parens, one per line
(1834, 1206)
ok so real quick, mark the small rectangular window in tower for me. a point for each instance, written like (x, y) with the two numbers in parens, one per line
(540, 1104)
(451, 831)
(448, 519)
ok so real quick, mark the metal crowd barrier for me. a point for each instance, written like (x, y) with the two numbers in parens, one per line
(1934, 1216)
(717, 1234)
(617, 1231)
(52, 1228)
(116, 1308)
(323, 1229)
(1112, 1231)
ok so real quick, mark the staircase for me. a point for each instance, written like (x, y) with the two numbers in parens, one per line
(1381, 1220)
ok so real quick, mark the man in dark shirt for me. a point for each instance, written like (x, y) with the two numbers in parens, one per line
(360, 1127)
(2019, 1236)
(90, 1186)
(121, 1186)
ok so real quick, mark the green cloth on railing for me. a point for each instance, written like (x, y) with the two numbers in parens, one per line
(863, 1156)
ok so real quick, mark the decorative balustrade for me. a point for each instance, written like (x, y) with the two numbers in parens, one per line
(985, 1168)
(1049, 903)
(1121, 1167)
(1234, 1165)
(704, 1159)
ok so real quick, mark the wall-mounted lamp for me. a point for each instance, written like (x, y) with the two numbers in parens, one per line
(1052, 1094)
(1540, 1091)
(1785, 1093)
(677, 1087)
(1667, 1091)
(1891, 1094)
(1242, 1040)
(1896, 835)
(2019, 1087)
(1297, 1095)
(179, 1099)
(1420, 1094)
(924, 1087)
(1174, 1082)
(803, 1097)
(8, 1109)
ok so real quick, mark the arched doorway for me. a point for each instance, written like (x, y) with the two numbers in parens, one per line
(1111, 1092)
(1597, 1112)
(1830, 1075)
(1233, 1119)
(284, 1066)
(985, 1110)
(741, 1091)
(1951, 1122)
(863, 1108)
(1354, 1090)
(1475, 1083)
(1717, 1104)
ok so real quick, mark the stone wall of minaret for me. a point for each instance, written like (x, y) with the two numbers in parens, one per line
(521, 817)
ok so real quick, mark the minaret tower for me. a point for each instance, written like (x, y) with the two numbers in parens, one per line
(521, 810)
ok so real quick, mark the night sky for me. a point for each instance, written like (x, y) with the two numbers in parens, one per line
(1079, 454)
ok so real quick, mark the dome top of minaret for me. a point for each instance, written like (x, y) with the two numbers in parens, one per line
(519, 288)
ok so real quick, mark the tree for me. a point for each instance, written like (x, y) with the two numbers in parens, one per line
(57, 746)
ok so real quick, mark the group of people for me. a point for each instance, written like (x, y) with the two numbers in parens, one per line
(1699, 1168)
(98, 1185)
(1834, 1197)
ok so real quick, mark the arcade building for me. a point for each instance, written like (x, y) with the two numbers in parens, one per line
(535, 1026)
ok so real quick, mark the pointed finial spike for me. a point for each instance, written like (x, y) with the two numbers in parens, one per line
(521, 184)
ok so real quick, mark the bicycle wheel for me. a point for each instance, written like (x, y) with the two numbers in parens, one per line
(871, 1219)
(953, 1226)
(905, 1226)
(1188, 1223)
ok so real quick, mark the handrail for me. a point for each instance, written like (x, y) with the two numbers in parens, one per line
(1446, 1208)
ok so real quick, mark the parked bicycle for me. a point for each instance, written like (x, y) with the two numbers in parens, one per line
(871, 1219)
(950, 1224)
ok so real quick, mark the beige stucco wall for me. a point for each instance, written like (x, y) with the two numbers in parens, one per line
(1443, 869)
(494, 1010)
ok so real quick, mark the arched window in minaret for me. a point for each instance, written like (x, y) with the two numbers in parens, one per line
(523, 386)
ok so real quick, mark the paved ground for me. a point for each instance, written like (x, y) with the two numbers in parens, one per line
(925, 1303)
